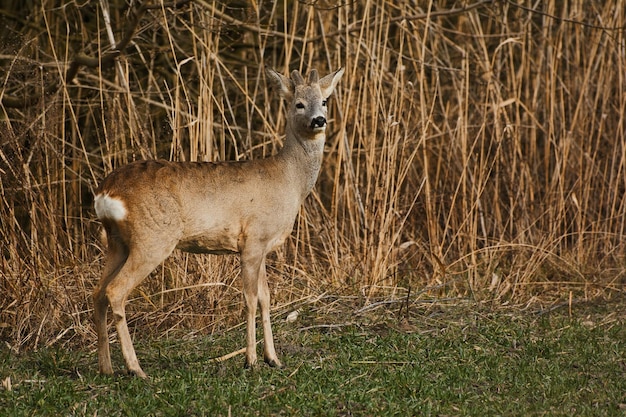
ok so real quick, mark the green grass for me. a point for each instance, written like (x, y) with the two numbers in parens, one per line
(443, 361)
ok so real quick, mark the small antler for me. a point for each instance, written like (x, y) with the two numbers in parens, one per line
(313, 77)
(296, 78)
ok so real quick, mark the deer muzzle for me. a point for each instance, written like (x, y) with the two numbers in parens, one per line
(318, 122)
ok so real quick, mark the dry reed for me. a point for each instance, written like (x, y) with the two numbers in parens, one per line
(475, 149)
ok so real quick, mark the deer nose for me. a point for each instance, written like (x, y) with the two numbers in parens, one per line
(319, 121)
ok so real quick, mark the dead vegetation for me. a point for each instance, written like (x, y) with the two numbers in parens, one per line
(476, 149)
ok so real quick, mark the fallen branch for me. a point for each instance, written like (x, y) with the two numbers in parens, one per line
(228, 355)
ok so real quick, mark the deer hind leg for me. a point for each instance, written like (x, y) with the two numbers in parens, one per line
(136, 268)
(115, 258)
(269, 352)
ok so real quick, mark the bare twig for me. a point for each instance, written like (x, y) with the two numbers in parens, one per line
(358, 26)
(566, 20)
(83, 60)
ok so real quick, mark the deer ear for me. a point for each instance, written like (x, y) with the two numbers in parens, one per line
(329, 82)
(284, 84)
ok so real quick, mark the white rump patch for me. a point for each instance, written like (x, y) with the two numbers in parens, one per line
(108, 207)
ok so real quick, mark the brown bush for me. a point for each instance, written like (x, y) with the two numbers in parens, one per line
(475, 149)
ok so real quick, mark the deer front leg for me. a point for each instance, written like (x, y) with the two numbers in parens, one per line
(250, 271)
(269, 352)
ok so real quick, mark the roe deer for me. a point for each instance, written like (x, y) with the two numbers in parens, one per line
(149, 208)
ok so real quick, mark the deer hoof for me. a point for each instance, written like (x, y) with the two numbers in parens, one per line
(274, 363)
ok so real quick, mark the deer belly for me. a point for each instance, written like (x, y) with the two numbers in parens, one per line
(214, 244)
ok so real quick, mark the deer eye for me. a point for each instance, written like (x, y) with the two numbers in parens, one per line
(299, 105)
(324, 103)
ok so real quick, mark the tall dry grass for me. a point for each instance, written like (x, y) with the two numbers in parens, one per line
(476, 149)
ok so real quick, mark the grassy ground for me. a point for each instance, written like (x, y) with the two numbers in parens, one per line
(443, 360)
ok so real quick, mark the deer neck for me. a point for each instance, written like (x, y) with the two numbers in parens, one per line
(303, 156)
